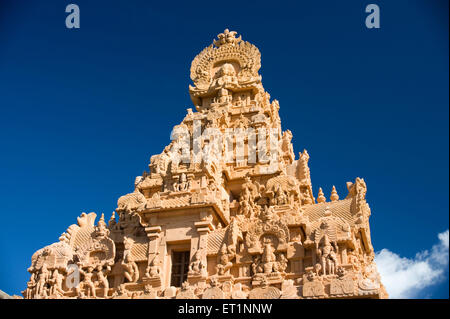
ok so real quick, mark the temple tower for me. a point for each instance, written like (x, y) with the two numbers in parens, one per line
(224, 211)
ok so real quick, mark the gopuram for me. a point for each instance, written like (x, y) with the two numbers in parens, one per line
(225, 211)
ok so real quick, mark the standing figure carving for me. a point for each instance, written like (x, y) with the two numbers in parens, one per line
(43, 278)
(57, 283)
(224, 264)
(247, 201)
(102, 279)
(87, 283)
(268, 258)
(327, 256)
(131, 271)
(31, 286)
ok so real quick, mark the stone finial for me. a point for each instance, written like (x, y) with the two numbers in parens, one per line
(304, 155)
(101, 228)
(227, 37)
(321, 197)
(112, 220)
(334, 195)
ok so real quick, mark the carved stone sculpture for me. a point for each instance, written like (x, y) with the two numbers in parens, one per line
(186, 292)
(224, 264)
(197, 267)
(343, 285)
(327, 256)
(265, 292)
(214, 292)
(225, 210)
(87, 284)
(102, 279)
(131, 271)
(312, 286)
(154, 269)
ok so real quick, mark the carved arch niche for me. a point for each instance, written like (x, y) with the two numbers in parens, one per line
(275, 231)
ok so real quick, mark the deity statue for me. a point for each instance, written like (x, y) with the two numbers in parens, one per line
(182, 185)
(306, 198)
(223, 96)
(131, 271)
(102, 279)
(327, 255)
(57, 282)
(245, 203)
(197, 267)
(280, 197)
(43, 278)
(87, 282)
(282, 263)
(256, 265)
(31, 286)
(224, 264)
(154, 268)
(226, 75)
(268, 258)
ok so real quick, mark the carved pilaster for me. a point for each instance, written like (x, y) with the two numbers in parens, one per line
(153, 273)
(153, 234)
(198, 266)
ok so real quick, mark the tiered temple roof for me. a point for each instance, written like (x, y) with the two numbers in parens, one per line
(224, 211)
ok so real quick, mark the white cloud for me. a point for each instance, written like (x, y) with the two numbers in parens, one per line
(406, 278)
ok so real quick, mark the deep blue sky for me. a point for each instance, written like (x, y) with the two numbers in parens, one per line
(82, 111)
